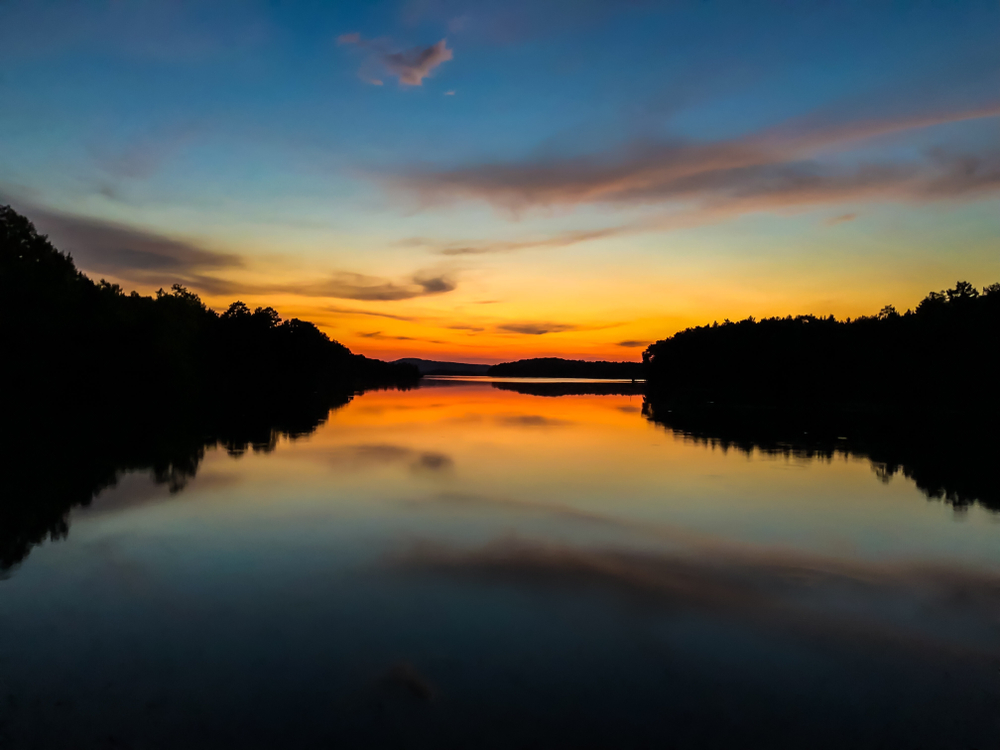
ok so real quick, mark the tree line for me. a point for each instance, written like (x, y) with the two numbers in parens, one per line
(70, 342)
(945, 353)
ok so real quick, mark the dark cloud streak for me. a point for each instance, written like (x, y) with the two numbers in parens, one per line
(772, 169)
(360, 287)
(536, 329)
(142, 257)
(796, 592)
(563, 239)
(410, 67)
(349, 285)
(372, 313)
(384, 337)
(364, 288)
(368, 455)
(129, 254)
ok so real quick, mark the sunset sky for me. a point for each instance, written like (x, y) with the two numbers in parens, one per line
(494, 180)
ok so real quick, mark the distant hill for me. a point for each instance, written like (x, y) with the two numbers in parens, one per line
(434, 367)
(554, 367)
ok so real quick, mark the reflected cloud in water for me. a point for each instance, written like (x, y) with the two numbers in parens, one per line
(594, 576)
(381, 454)
(530, 420)
(929, 609)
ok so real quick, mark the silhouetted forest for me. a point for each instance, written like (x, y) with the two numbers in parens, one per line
(554, 367)
(71, 343)
(945, 353)
(97, 382)
(950, 457)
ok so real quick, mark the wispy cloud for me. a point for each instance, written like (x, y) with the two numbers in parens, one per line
(834, 220)
(126, 253)
(356, 286)
(562, 239)
(633, 344)
(537, 329)
(773, 169)
(140, 156)
(342, 285)
(372, 313)
(143, 257)
(416, 64)
(410, 67)
(389, 337)
(540, 328)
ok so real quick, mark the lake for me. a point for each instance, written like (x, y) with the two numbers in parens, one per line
(504, 564)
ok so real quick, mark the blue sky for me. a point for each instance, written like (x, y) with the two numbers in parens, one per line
(502, 179)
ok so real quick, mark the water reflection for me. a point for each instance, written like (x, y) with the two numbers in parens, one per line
(49, 470)
(949, 457)
(812, 597)
(362, 456)
(571, 388)
(954, 464)
(477, 564)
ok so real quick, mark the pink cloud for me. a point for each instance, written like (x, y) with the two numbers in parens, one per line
(410, 66)
(770, 170)
(834, 220)
(416, 64)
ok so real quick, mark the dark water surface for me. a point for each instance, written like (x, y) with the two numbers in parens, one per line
(464, 565)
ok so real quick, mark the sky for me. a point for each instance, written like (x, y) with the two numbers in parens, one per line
(486, 181)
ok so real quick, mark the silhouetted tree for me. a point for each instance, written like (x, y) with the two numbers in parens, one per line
(946, 353)
(962, 292)
(71, 343)
(97, 382)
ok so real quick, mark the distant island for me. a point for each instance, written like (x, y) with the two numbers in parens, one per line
(542, 367)
(71, 344)
(943, 354)
(554, 367)
(435, 367)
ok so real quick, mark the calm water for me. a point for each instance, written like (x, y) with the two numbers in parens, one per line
(468, 566)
